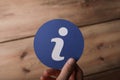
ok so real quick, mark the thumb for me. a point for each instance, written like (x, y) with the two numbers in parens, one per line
(67, 70)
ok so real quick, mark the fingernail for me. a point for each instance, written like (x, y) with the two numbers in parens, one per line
(71, 61)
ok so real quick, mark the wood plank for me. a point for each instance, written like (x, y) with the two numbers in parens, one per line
(101, 47)
(22, 18)
(18, 61)
(108, 75)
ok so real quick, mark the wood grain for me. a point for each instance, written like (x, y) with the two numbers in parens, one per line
(19, 19)
(102, 43)
(107, 75)
(102, 48)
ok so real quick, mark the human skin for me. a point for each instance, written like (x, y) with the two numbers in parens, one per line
(70, 71)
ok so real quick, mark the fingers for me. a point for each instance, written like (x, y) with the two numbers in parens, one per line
(79, 73)
(47, 78)
(73, 76)
(67, 70)
(70, 71)
(51, 72)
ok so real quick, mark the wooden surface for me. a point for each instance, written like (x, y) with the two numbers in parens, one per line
(17, 18)
(102, 47)
(99, 21)
(106, 75)
(18, 61)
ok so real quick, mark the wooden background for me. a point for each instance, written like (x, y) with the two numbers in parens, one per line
(99, 21)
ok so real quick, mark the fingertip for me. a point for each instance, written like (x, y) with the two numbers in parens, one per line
(45, 73)
(71, 61)
(67, 69)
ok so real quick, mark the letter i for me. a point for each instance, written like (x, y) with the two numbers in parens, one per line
(59, 44)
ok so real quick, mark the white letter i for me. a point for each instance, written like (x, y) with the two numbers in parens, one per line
(59, 44)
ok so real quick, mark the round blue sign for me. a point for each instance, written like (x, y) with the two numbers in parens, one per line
(56, 41)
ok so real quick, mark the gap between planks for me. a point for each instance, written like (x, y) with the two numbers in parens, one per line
(112, 74)
(90, 25)
(18, 18)
(104, 51)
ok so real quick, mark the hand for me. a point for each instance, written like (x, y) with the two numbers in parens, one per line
(70, 71)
